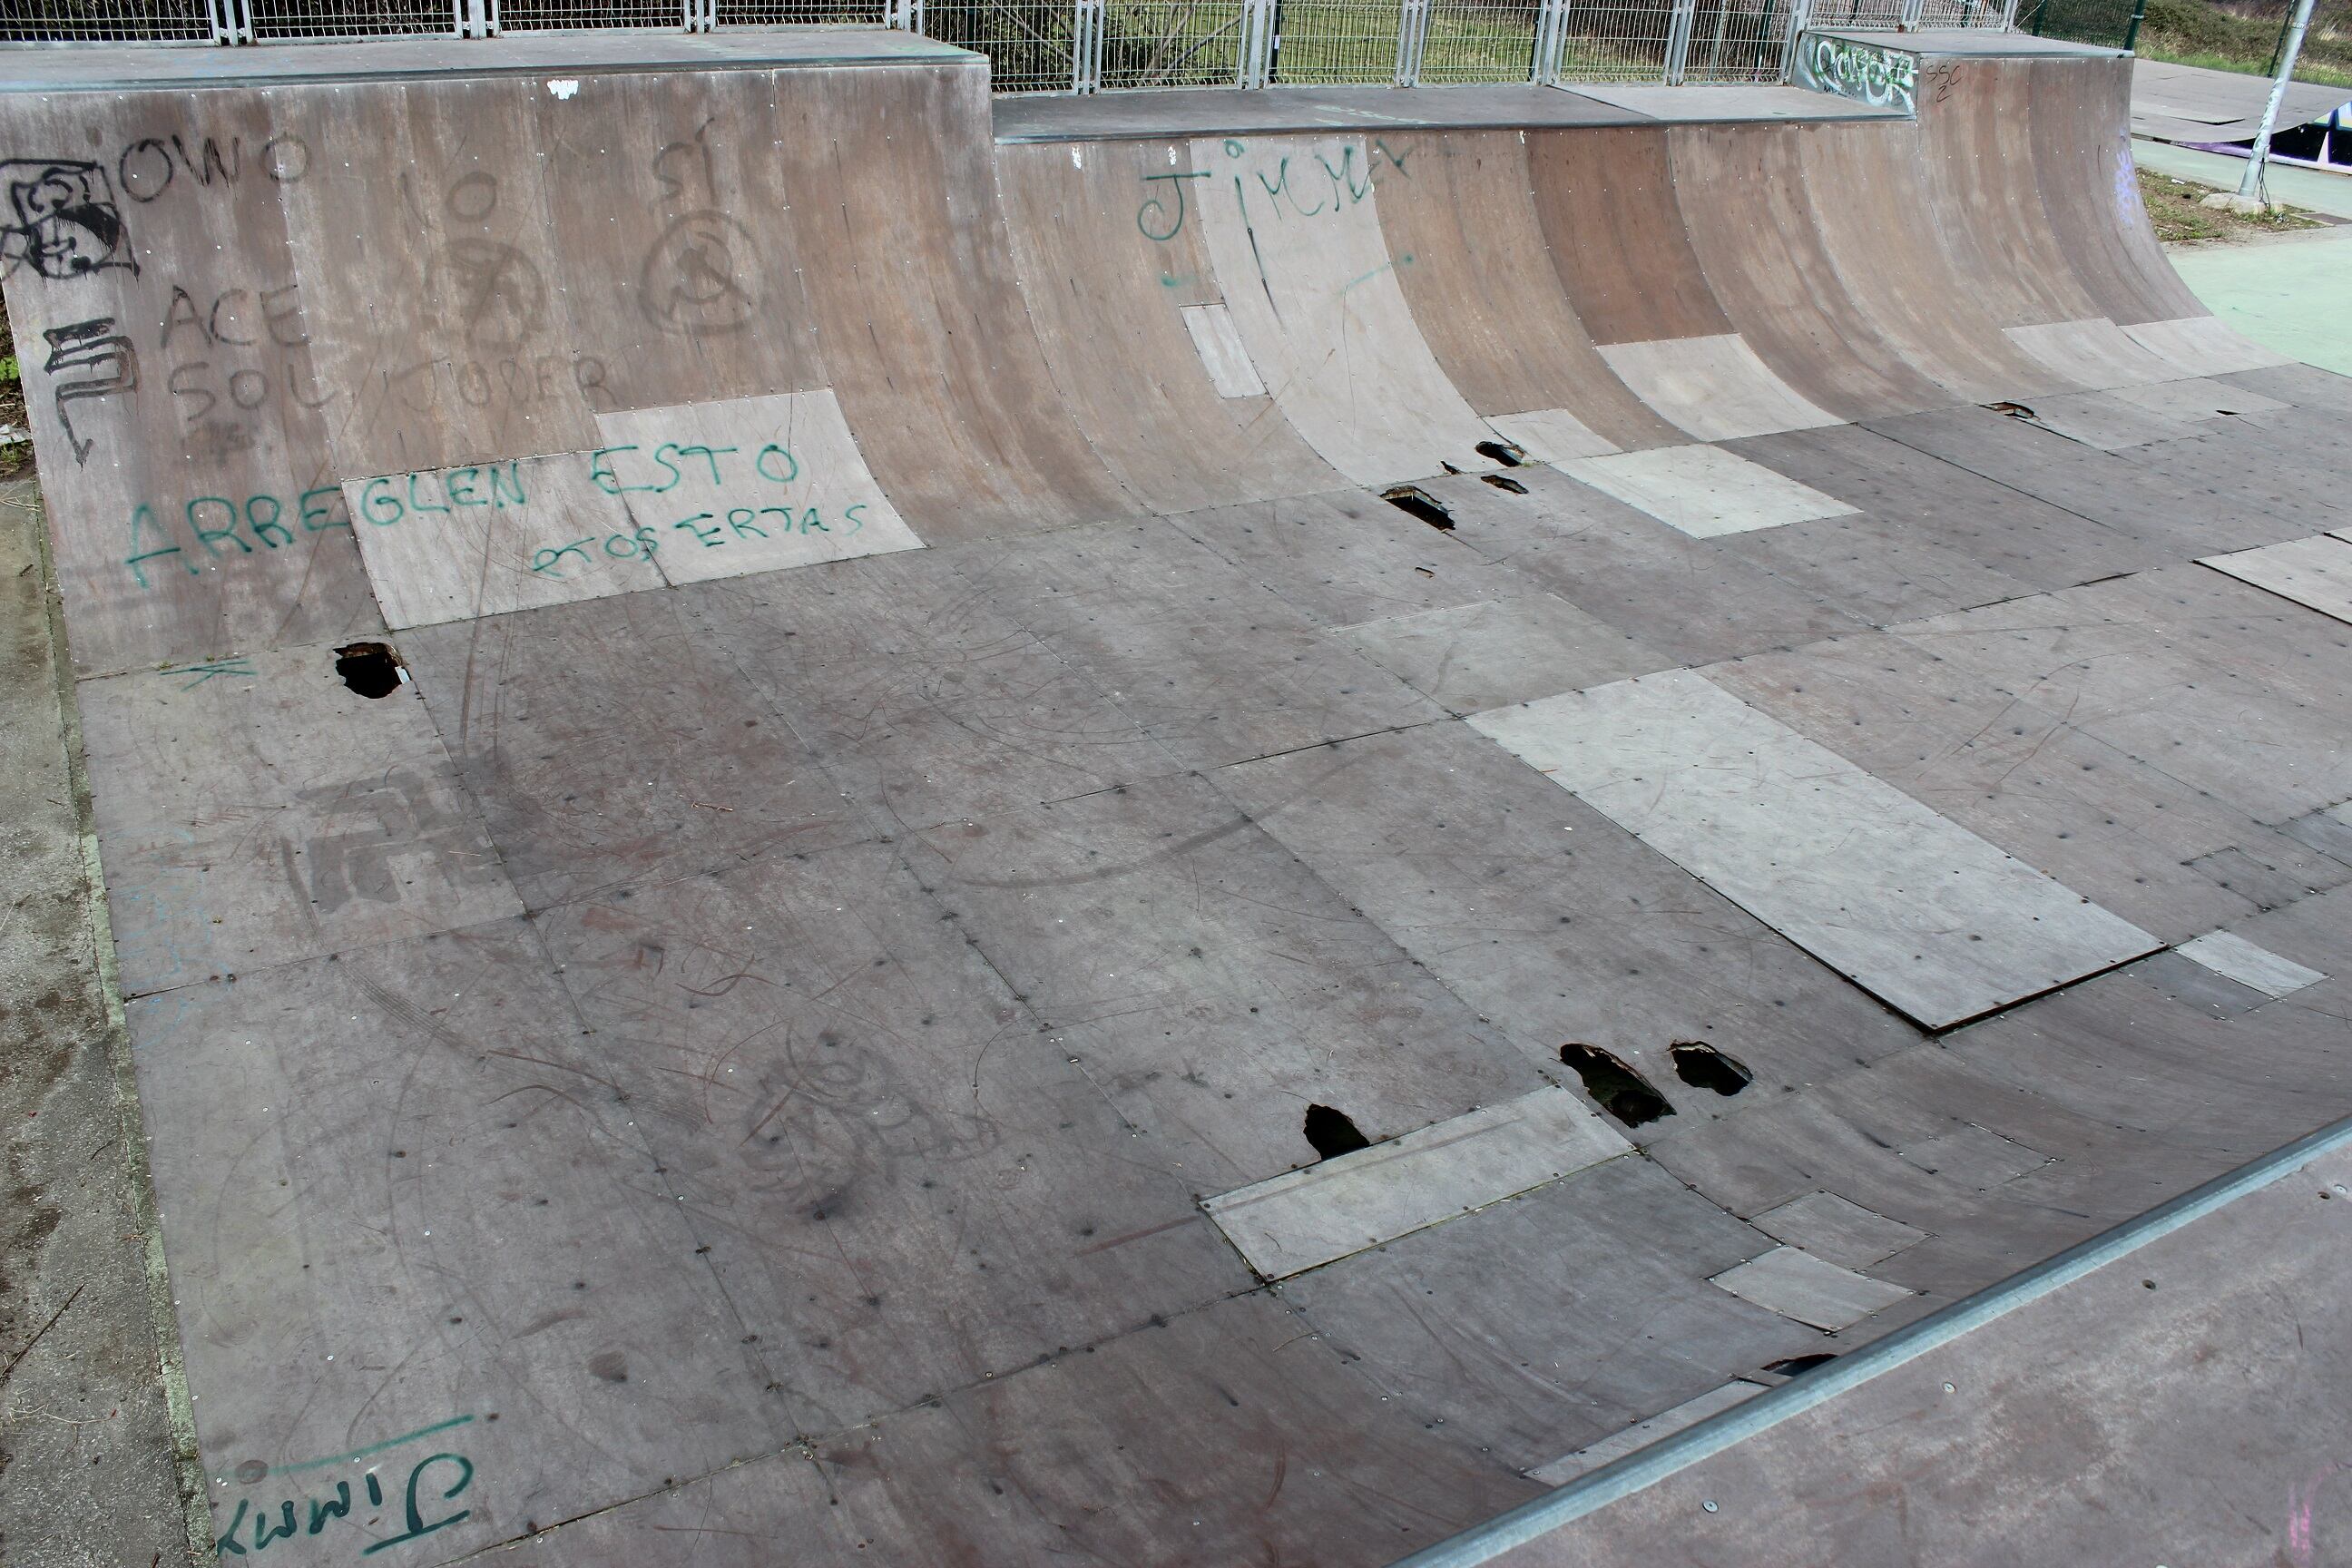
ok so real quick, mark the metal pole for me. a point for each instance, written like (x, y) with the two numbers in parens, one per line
(2131, 33)
(2251, 188)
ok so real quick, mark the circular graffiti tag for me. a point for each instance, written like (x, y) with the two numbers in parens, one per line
(694, 281)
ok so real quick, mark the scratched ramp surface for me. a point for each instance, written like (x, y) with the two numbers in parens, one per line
(911, 764)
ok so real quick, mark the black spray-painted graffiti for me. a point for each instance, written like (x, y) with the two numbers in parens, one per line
(404, 813)
(112, 364)
(495, 292)
(697, 281)
(1312, 189)
(152, 164)
(65, 223)
(1881, 78)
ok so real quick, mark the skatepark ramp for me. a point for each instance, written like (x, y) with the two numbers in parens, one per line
(843, 822)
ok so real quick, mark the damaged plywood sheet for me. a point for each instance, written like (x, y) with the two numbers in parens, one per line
(1294, 233)
(1903, 901)
(1714, 388)
(1303, 1218)
(2197, 398)
(1794, 1283)
(1831, 1227)
(1704, 491)
(2315, 572)
(751, 484)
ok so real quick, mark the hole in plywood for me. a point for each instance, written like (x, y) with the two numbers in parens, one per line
(2014, 410)
(1415, 501)
(1510, 454)
(1615, 1087)
(1798, 1365)
(370, 669)
(1503, 483)
(1701, 1066)
(1332, 1133)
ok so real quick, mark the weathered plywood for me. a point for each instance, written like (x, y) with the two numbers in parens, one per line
(1550, 433)
(1296, 1221)
(2235, 958)
(2092, 351)
(2197, 398)
(1211, 327)
(255, 811)
(2106, 420)
(750, 485)
(1347, 557)
(1912, 906)
(412, 1146)
(1714, 388)
(449, 544)
(2202, 347)
(172, 378)
(1704, 491)
(1642, 1433)
(1836, 1230)
(1293, 230)
(1117, 285)
(2315, 572)
(1482, 655)
(1794, 1283)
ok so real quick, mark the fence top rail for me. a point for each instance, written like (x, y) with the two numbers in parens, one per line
(97, 68)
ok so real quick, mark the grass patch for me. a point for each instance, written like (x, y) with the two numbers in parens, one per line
(15, 458)
(2173, 209)
(2195, 33)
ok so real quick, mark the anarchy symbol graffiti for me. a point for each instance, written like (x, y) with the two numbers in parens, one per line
(694, 281)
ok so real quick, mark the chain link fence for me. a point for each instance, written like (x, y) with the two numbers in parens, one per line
(1085, 46)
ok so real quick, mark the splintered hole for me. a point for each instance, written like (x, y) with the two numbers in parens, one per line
(1510, 454)
(1701, 1066)
(1798, 1365)
(1503, 483)
(1332, 1133)
(2014, 410)
(1618, 1089)
(1420, 503)
(370, 669)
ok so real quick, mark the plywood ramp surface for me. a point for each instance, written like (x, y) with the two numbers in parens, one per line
(181, 392)
(1748, 209)
(1484, 289)
(1292, 228)
(2082, 161)
(1917, 908)
(1107, 239)
(1607, 204)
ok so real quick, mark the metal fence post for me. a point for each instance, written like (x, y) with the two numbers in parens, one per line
(1912, 11)
(1800, 17)
(1678, 37)
(231, 23)
(1086, 46)
(1413, 32)
(1255, 64)
(1551, 39)
(472, 19)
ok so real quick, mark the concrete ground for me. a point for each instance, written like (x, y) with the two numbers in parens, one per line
(2289, 291)
(86, 1448)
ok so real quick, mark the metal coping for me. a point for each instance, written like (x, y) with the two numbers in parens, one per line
(1969, 42)
(1185, 112)
(179, 67)
(1670, 1455)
